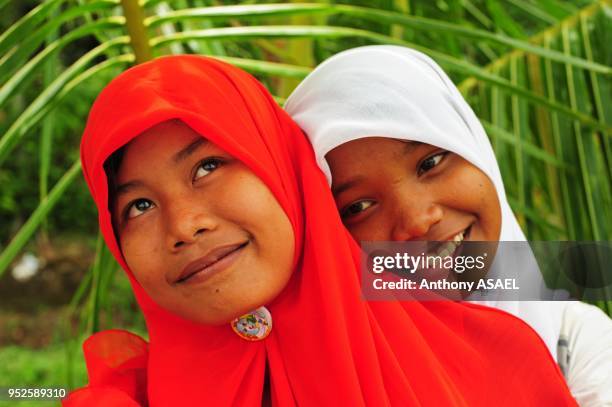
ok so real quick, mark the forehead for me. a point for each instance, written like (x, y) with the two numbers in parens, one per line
(371, 151)
(161, 137)
(164, 143)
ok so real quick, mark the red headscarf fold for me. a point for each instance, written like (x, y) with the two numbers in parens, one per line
(328, 346)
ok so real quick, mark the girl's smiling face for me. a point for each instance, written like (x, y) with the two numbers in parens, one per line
(393, 190)
(201, 233)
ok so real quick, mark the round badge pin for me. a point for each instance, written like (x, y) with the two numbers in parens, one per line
(253, 326)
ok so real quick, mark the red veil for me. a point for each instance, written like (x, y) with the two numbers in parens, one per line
(328, 347)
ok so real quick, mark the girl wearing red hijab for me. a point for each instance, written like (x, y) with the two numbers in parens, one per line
(247, 279)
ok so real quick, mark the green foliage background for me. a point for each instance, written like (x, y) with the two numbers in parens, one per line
(537, 73)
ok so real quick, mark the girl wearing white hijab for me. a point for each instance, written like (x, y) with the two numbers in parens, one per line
(368, 108)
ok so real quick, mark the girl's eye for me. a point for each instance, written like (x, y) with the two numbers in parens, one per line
(355, 208)
(206, 167)
(430, 162)
(138, 207)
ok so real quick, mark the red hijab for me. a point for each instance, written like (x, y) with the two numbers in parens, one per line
(327, 345)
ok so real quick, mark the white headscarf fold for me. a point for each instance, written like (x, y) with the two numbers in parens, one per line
(400, 93)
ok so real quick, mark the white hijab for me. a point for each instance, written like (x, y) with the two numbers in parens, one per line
(400, 93)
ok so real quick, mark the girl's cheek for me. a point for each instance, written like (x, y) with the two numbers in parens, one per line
(463, 187)
(242, 198)
(142, 237)
(376, 227)
(476, 193)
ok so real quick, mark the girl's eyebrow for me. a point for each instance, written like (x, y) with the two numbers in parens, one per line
(189, 149)
(410, 146)
(125, 188)
(351, 182)
(185, 152)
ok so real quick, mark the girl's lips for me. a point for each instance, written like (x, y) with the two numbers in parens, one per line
(214, 261)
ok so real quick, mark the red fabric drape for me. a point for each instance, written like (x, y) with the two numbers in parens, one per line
(328, 347)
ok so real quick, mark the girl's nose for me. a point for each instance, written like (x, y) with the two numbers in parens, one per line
(186, 238)
(185, 222)
(414, 219)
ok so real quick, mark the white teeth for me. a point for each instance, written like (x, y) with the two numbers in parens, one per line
(449, 247)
